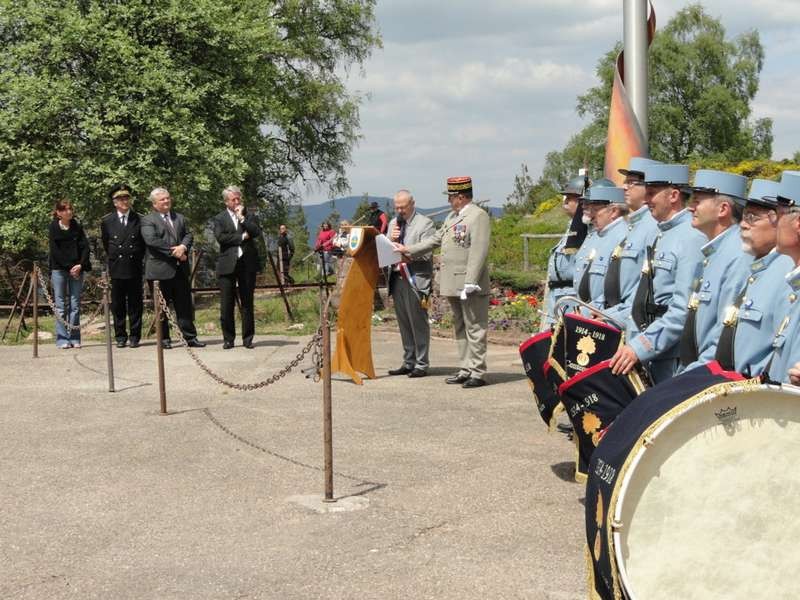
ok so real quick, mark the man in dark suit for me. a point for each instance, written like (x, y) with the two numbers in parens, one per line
(120, 232)
(168, 241)
(237, 265)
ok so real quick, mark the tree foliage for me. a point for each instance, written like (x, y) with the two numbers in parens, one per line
(701, 88)
(527, 194)
(188, 94)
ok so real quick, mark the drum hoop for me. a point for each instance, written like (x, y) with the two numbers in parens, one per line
(628, 468)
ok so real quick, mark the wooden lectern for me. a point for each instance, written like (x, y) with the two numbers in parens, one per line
(353, 353)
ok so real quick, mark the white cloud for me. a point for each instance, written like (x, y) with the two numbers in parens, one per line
(477, 88)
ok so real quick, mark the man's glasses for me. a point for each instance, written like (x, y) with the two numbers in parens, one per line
(751, 218)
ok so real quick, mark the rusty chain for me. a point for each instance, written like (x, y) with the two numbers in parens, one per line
(59, 317)
(313, 345)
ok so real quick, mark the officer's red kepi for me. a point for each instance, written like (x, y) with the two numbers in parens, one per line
(459, 185)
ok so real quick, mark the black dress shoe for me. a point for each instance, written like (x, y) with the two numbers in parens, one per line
(457, 379)
(122, 344)
(166, 344)
(195, 343)
(227, 345)
(404, 370)
(417, 373)
(249, 345)
(134, 344)
(473, 382)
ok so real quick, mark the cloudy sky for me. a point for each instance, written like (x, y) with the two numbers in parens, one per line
(477, 88)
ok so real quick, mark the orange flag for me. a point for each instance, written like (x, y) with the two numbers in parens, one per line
(625, 138)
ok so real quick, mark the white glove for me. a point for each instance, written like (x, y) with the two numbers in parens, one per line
(469, 288)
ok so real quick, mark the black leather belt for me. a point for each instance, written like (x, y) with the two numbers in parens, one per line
(557, 285)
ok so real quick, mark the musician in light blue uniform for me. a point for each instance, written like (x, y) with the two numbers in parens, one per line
(784, 363)
(561, 263)
(658, 311)
(762, 297)
(625, 268)
(716, 211)
(605, 206)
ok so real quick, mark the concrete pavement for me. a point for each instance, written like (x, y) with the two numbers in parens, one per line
(465, 494)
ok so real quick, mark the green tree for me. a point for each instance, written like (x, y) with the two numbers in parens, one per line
(191, 95)
(527, 195)
(701, 88)
(362, 210)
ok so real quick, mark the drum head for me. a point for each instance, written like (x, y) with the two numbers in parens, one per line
(708, 505)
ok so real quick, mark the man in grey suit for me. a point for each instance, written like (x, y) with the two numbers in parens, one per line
(410, 286)
(464, 277)
(167, 239)
(237, 265)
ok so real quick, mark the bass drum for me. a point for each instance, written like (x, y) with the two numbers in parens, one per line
(697, 497)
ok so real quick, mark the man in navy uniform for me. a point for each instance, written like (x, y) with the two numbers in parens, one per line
(750, 322)
(716, 214)
(659, 307)
(120, 234)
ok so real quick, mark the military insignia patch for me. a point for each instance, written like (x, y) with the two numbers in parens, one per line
(586, 347)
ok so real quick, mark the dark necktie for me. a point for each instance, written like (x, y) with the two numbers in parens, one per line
(170, 227)
(123, 218)
(402, 225)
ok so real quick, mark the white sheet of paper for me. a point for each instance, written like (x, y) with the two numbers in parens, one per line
(386, 252)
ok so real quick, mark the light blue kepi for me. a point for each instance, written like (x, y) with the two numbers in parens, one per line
(763, 192)
(604, 194)
(789, 189)
(660, 175)
(637, 166)
(707, 181)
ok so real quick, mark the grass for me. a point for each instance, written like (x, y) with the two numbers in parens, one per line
(269, 311)
(506, 253)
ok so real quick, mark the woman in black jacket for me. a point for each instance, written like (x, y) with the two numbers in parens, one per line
(69, 262)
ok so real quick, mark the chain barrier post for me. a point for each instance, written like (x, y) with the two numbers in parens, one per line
(109, 351)
(159, 347)
(326, 404)
(35, 292)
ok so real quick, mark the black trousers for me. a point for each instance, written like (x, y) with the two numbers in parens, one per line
(285, 268)
(245, 281)
(178, 292)
(126, 302)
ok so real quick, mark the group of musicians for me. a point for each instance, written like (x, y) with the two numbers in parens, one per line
(691, 272)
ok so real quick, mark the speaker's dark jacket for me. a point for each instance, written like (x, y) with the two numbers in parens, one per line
(124, 246)
(230, 240)
(159, 262)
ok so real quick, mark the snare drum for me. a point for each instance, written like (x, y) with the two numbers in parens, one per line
(693, 492)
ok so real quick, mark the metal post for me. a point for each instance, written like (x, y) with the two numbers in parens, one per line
(109, 351)
(525, 253)
(35, 292)
(635, 37)
(326, 405)
(159, 348)
(280, 266)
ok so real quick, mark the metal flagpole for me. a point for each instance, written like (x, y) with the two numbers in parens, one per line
(636, 82)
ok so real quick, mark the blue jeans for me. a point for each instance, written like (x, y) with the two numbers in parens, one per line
(67, 290)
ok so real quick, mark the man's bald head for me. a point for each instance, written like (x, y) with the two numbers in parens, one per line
(403, 204)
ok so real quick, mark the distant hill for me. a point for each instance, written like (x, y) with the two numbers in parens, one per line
(316, 213)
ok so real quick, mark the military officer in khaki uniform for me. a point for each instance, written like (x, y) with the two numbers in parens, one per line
(464, 277)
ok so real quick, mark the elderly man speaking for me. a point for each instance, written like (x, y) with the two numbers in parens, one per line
(410, 286)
